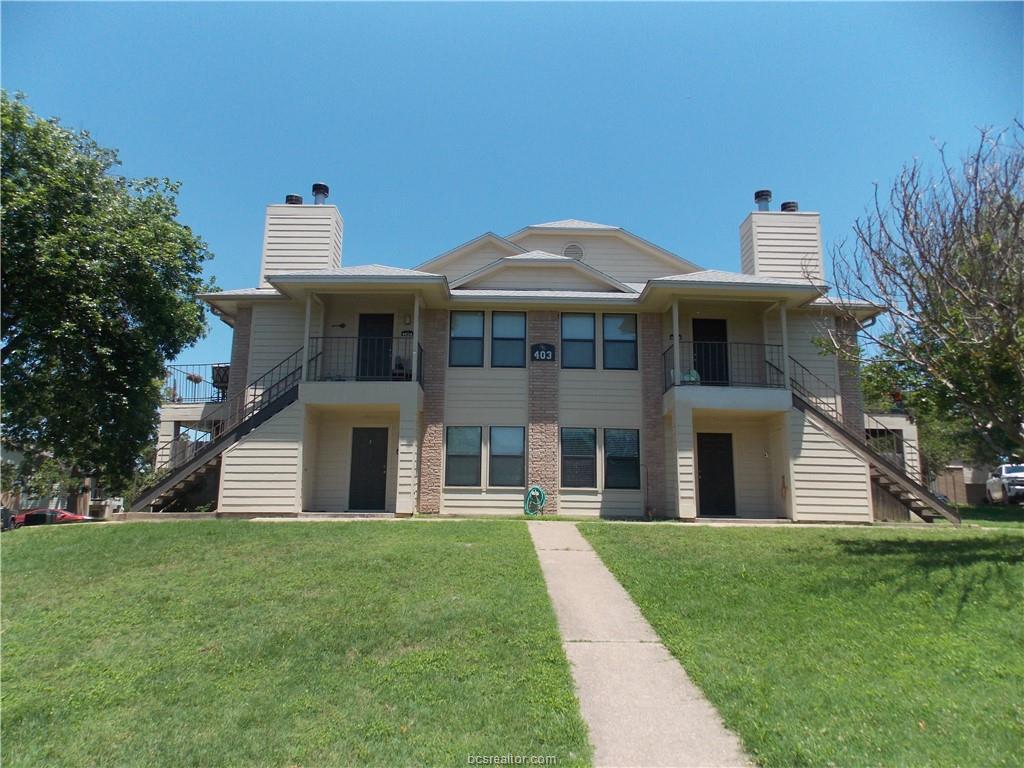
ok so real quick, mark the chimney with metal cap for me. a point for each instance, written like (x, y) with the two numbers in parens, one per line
(763, 197)
(293, 199)
(320, 193)
(790, 206)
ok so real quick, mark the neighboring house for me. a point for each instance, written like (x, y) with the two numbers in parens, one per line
(623, 379)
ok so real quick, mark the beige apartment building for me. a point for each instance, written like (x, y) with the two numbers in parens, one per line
(624, 380)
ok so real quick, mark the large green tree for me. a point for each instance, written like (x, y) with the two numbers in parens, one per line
(943, 254)
(99, 283)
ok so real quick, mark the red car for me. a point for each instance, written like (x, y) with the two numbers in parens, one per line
(44, 516)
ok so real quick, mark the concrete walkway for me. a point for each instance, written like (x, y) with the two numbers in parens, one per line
(641, 707)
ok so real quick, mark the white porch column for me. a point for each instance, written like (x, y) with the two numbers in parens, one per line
(415, 337)
(675, 342)
(408, 455)
(305, 336)
(785, 344)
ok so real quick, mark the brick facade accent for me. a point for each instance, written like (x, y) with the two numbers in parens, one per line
(542, 466)
(434, 339)
(652, 430)
(238, 376)
(849, 376)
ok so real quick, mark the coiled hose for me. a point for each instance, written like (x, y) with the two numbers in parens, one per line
(533, 502)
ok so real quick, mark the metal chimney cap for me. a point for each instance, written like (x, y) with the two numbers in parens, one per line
(763, 195)
(321, 189)
(790, 206)
(293, 199)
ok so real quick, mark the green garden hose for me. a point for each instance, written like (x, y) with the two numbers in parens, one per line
(533, 502)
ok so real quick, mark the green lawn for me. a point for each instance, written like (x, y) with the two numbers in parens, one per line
(231, 643)
(994, 517)
(847, 647)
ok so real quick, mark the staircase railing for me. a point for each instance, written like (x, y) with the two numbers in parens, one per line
(885, 443)
(229, 414)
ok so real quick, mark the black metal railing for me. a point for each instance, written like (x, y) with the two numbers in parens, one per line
(419, 364)
(362, 358)
(724, 364)
(202, 383)
(232, 412)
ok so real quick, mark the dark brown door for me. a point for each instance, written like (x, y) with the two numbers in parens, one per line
(711, 352)
(375, 346)
(367, 489)
(715, 474)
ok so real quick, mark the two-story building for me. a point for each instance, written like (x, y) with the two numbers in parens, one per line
(624, 380)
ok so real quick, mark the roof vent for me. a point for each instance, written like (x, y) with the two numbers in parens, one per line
(573, 251)
(763, 197)
(320, 193)
(293, 199)
(790, 206)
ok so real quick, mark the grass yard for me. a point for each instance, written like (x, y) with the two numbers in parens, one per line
(1010, 516)
(244, 644)
(847, 647)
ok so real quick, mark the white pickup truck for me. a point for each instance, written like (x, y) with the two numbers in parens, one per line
(1005, 485)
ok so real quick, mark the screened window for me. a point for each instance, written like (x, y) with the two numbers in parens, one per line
(466, 340)
(508, 340)
(462, 456)
(507, 453)
(577, 341)
(619, 341)
(579, 458)
(621, 458)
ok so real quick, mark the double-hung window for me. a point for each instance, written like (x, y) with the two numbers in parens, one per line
(507, 457)
(579, 458)
(462, 456)
(508, 339)
(620, 342)
(621, 458)
(466, 340)
(577, 340)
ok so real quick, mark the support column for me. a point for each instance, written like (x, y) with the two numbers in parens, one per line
(238, 376)
(305, 337)
(675, 342)
(435, 358)
(652, 433)
(686, 462)
(542, 466)
(408, 460)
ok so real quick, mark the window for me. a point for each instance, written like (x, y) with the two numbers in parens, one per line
(466, 340)
(621, 458)
(577, 341)
(579, 458)
(620, 342)
(462, 454)
(508, 340)
(507, 444)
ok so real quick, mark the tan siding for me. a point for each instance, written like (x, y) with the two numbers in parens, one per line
(334, 456)
(751, 460)
(526, 277)
(600, 503)
(609, 254)
(260, 473)
(276, 333)
(671, 469)
(599, 398)
(475, 396)
(470, 261)
(829, 482)
(686, 491)
(786, 245)
(477, 501)
(804, 328)
(300, 238)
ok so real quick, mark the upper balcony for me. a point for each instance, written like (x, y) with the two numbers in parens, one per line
(364, 358)
(726, 375)
(196, 384)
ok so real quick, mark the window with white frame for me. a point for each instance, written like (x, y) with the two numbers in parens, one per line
(622, 458)
(508, 339)
(462, 456)
(507, 457)
(619, 342)
(579, 457)
(577, 340)
(466, 340)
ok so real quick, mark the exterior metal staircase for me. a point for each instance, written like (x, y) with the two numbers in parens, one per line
(183, 463)
(884, 450)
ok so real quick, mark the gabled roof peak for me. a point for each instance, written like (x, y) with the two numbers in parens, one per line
(572, 224)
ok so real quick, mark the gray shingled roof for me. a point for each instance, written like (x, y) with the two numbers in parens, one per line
(537, 255)
(241, 292)
(364, 270)
(572, 224)
(720, 276)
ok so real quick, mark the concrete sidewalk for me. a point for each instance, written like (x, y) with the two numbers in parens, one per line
(641, 708)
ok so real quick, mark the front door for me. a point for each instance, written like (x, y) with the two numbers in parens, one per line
(367, 489)
(711, 352)
(374, 354)
(715, 475)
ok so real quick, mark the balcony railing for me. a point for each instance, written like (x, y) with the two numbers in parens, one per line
(724, 364)
(362, 358)
(202, 383)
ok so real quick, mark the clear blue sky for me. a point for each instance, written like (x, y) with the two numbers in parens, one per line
(434, 123)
